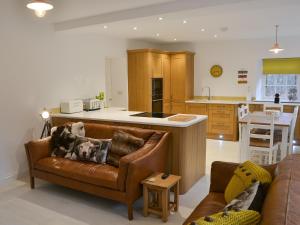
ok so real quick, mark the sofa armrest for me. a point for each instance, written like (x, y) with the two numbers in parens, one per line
(221, 173)
(153, 161)
(36, 150)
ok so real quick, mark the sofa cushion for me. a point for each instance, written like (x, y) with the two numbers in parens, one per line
(92, 173)
(281, 206)
(243, 217)
(122, 144)
(214, 202)
(252, 198)
(243, 177)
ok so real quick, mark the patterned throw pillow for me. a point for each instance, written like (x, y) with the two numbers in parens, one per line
(244, 217)
(122, 144)
(89, 149)
(252, 198)
(63, 138)
(243, 177)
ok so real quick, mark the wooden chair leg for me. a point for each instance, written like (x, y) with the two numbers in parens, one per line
(32, 183)
(130, 211)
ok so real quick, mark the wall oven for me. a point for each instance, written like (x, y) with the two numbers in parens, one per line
(157, 94)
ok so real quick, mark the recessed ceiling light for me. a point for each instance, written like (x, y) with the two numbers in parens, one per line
(105, 26)
(160, 18)
(215, 36)
(157, 34)
(175, 39)
(135, 28)
(184, 21)
(202, 29)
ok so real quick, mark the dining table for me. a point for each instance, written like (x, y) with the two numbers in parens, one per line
(282, 121)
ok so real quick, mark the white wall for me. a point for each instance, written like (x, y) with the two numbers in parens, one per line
(39, 68)
(233, 56)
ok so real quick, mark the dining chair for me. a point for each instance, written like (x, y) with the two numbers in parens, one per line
(262, 144)
(273, 107)
(243, 110)
(278, 133)
(292, 129)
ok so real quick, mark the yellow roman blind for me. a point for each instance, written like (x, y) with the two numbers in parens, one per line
(281, 66)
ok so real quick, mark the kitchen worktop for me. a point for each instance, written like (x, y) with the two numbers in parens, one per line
(119, 115)
(205, 101)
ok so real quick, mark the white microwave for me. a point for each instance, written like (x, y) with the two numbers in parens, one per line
(72, 106)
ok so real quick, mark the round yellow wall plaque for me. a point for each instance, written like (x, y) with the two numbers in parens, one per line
(216, 71)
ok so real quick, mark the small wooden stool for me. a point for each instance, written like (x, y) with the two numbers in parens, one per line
(158, 202)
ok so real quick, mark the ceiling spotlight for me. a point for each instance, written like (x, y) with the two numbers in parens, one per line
(160, 18)
(202, 29)
(184, 21)
(40, 7)
(157, 34)
(215, 36)
(135, 28)
(105, 26)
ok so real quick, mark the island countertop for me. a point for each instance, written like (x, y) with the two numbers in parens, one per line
(119, 115)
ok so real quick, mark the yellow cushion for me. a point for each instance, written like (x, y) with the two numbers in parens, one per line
(244, 217)
(246, 174)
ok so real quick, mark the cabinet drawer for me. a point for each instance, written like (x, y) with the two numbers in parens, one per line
(288, 108)
(224, 107)
(221, 115)
(216, 127)
(256, 107)
(200, 109)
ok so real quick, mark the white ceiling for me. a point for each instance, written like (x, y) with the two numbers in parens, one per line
(243, 19)
(74, 9)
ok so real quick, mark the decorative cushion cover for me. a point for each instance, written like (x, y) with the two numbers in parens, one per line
(244, 217)
(89, 149)
(243, 177)
(252, 198)
(63, 138)
(122, 144)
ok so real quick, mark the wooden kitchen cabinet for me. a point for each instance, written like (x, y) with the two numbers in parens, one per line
(166, 68)
(195, 108)
(139, 81)
(182, 80)
(157, 65)
(256, 107)
(222, 119)
(177, 71)
(177, 107)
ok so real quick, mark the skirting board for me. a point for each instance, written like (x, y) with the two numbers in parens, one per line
(12, 177)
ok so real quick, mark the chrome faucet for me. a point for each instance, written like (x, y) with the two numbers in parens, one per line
(208, 97)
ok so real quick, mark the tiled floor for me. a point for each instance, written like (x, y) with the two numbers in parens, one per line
(49, 204)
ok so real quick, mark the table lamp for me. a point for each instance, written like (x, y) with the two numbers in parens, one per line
(47, 126)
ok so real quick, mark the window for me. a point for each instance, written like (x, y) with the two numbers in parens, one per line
(287, 85)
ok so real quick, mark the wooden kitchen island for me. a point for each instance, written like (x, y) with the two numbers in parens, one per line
(187, 144)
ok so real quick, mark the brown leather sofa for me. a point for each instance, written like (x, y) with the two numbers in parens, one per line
(120, 184)
(282, 201)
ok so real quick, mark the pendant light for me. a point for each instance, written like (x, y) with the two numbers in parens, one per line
(276, 49)
(40, 7)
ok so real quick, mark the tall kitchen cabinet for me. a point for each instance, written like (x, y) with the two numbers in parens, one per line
(175, 68)
(182, 80)
(139, 80)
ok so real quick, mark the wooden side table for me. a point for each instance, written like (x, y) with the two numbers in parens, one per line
(157, 195)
